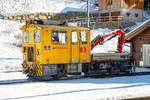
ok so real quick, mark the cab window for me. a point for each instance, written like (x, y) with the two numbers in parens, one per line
(74, 37)
(59, 37)
(83, 37)
(37, 36)
(25, 36)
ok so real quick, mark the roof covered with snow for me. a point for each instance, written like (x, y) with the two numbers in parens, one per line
(137, 30)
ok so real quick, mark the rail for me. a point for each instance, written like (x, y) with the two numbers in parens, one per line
(22, 81)
(98, 19)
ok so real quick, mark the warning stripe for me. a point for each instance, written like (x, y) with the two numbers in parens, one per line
(37, 69)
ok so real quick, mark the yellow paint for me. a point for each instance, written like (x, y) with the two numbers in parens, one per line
(58, 53)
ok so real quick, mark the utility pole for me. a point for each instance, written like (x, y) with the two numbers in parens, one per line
(88, 13)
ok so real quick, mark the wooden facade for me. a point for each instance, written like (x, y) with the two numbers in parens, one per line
(121, 10)
(113, 4)
(137, 41)
(109, 4)
(112, 16)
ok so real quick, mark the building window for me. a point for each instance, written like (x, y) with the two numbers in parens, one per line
(37, 36)
(137, 2)
(83, 37)
(110, 2)
(26, 36)
(140, 38)
(128, 14)
(127, 1)
(136, 14)
(59, 37)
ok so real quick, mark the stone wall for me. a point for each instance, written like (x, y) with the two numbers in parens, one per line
(70, 16)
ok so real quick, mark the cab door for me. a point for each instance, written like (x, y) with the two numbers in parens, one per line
(85, 46)
(31, 54)
(75, 47)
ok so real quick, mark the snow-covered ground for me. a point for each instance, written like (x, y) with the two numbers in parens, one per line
(5, 76)
(78, 89)
(10, 55)
(13, 7)
(142, 69)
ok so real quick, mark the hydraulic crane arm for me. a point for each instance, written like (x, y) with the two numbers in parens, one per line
(100, 39)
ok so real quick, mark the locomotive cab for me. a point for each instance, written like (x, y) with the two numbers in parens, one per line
(53, 51)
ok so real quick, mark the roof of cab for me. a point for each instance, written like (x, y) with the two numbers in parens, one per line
(53, 24)
(56, 26)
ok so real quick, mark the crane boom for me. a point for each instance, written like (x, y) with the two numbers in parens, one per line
(100, 39)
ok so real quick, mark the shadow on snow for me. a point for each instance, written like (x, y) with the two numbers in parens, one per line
(76, 91)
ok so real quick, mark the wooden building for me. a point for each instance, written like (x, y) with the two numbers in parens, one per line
(139, 40)
(127, 9)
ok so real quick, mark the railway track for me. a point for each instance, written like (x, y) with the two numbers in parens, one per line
(14, 81)
(21, 81)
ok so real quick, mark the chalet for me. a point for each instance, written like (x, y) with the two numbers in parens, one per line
(128, 10)
(139, 40)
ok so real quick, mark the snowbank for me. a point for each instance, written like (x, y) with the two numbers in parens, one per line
(10, 54)
(78, 89)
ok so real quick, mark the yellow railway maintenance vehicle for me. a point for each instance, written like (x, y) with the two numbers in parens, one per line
(51, 50)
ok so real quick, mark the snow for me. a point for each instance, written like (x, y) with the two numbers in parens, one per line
(142, 69)
(5, 76)
(77, 89)
(15, 7)
(138, 26)
(10, 55)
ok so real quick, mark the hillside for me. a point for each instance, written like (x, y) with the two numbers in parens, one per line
(16, 7)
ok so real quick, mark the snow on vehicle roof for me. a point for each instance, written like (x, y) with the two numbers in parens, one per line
(137, 29)
(54, 26)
